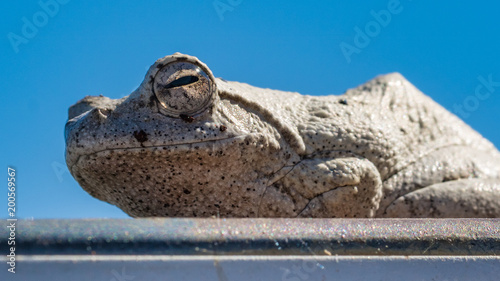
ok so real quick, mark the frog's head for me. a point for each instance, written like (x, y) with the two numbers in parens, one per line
(183, 144)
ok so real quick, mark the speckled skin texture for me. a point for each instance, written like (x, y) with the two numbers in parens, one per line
(186, 144)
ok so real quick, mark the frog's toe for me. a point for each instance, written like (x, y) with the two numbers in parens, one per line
(338, 203)
(276, 202)
(467, 198)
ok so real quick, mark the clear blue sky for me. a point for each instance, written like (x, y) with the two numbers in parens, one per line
(51, 56)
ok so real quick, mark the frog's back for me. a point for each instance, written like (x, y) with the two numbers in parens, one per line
(414, 143)
(431, 145)
(386, 120)
(419, 123)
(425, 124)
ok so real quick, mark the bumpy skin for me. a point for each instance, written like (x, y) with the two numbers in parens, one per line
(383, 149)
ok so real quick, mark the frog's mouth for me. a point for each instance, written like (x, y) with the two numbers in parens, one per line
(215, 145)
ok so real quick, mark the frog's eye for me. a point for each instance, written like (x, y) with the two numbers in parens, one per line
(183, 89)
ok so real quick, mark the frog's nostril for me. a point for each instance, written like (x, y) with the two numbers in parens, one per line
(140, 136)
(105, 112)
(100, 113)
(186, 80)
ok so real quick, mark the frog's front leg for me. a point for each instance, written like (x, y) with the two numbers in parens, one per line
(465, 198)
(345, 187)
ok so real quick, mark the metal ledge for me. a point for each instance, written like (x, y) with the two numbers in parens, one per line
(257, 237)
(255, 249)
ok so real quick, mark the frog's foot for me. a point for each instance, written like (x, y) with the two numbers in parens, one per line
(466, 198)
(346, 187)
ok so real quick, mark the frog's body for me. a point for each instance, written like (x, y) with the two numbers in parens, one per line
(383, 149)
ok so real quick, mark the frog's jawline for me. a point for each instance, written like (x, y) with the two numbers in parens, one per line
(142, 148)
